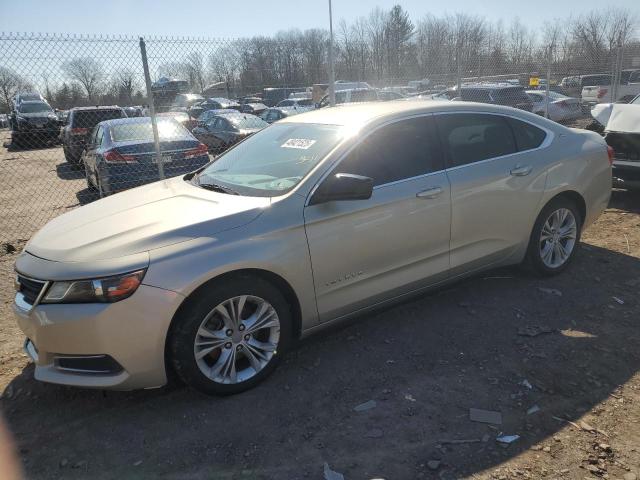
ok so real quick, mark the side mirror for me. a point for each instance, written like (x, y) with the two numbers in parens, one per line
(343, 186)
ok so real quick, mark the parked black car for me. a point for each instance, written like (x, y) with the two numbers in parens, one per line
(227, 129)
(494, 93)
(33, 122)
(80, 123)
(120, 153)
(217, 103)
(253, 108)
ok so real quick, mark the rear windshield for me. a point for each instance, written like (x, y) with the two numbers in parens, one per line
(247, 122)
(90, 118)
(167, 129)
(34, 108)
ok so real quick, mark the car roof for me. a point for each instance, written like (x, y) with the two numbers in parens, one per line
(221, 100)
(235, 115)
(356, 115)
(489, 86)
(130, 121)
(96, 107)
(33, 102)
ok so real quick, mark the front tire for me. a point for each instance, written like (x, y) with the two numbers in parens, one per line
(555, 237)
(231, 335)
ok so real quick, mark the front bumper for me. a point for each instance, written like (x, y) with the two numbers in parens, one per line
(131, 332)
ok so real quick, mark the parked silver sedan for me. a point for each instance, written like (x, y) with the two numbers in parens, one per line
(561, 107)
(315, 219)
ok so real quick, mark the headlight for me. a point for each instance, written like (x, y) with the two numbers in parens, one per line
(100, 290)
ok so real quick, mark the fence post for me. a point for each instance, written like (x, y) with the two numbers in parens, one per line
(152, 108)
(332, 72)
(546, 99)
(458, 69)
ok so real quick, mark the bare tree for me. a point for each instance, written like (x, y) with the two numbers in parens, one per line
(127, 82)
(375, 27)
(10, 84)
(520, 45)
(195, 71)
(88, 72)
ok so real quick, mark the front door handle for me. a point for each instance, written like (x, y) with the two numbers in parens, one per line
(521, 171)
(432, 192)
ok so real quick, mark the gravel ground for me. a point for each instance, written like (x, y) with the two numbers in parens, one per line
(558, 358)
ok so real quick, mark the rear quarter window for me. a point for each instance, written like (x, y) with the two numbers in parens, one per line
(527, 136)
(471, 138)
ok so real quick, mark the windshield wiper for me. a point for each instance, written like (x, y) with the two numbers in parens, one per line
(214, 187)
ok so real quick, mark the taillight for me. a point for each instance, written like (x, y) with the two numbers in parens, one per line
(79, 131)
(602, 92)
(611, 152)
(200, 150)
(117, 157)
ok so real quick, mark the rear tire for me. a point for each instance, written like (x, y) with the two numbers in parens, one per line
(555, 237)
(201, 325)
(92, 188)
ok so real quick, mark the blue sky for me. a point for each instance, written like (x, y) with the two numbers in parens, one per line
(240, 18)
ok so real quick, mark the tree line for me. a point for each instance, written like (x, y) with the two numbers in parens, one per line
(384, 47)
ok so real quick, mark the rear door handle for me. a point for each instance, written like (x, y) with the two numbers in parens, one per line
(519, 171)
(432, 192)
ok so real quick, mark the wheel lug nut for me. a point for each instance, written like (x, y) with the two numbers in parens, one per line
(227, 345)
(247, 337)
(239, 347)
(241, 328)
(229, 332)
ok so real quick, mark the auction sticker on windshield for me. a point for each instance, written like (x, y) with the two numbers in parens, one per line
(301, 143)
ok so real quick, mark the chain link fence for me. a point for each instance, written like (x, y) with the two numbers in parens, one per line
(75, 111)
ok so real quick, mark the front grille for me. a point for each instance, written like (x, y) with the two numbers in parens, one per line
(30, 288)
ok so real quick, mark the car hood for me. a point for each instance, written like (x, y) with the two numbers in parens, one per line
(142, 219)
(624, 118)
(44, 115)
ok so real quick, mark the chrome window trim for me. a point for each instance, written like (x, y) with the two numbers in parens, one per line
(336, 163)
(550, 136)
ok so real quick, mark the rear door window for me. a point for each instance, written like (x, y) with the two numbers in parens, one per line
(527, 136)
(471, 137)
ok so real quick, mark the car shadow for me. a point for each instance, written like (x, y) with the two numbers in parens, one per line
(502, 341)
(70, 171)
(34, 145)
(86, 196)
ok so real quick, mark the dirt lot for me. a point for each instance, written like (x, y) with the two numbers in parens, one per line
(503, 341)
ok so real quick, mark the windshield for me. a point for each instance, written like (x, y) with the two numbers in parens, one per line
(167, 129)
(272, 161)
(248, 122)
(34, 108)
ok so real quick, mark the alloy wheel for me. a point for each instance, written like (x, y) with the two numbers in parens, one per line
(558, 238)
(237, 339)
